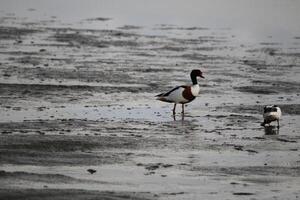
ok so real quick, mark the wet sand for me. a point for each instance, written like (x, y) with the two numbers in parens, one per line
(73, 100)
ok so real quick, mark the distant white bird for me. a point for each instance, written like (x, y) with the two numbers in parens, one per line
(271, 113)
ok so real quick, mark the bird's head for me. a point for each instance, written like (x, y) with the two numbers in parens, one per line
(196, 72)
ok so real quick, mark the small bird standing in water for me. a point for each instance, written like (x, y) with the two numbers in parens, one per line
(271, 113)
(182, 94)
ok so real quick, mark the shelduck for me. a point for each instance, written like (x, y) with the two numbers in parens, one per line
(271, 113)
(182, 94)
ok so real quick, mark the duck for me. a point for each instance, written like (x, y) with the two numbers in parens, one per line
(182, 94)
(271, 113)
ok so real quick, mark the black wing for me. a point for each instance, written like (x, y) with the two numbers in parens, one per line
(268, 109)
(169, 92)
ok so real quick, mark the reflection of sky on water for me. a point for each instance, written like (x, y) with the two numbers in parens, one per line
(251, 19)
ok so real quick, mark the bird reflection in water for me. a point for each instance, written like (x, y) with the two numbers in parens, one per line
(271, 130)
(176, 118)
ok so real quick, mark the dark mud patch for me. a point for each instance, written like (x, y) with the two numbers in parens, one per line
(250, 109)
(266, 50)
(60, 93)
(226, 73)
(74, 39)
(270, 43)
(40, 158)
(291, 109)
(250, 171)
(234, 120)
(61, 194)
(199, 41)
(63, 125)
(78, 127)
(261, 180)
(289, 54)
(200, 57)
(280, 86)
(267, 67)
(99, 19)
(27, 60)
(153, 70)
(58, 74)
(130, 27)
(239, 120)
(171, 48)
(14, 33)
(53, 93)
(280, 139)
(221, 80)
(71, 150)
(97, 39)
(270, 87)
(243, 193)
(117, 34)
(44, 178)
(61, 143)
(20, 53)
(257, 89)
(173, 27)
(208, 48)
(154, 166)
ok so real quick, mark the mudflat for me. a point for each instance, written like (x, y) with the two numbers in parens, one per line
(79, 119)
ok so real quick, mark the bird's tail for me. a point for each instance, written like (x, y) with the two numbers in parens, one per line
(160, 95)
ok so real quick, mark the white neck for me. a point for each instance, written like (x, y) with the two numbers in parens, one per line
(195, 89)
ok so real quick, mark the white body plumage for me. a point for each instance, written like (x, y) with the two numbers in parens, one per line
(177, 96)
(271, 113)
(273, 116)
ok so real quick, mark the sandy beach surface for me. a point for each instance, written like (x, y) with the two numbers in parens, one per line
(79, 119)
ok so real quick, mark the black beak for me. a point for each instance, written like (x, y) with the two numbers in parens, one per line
(201, 76)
